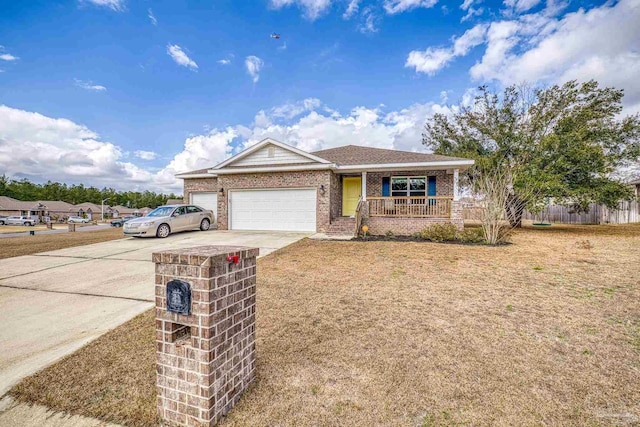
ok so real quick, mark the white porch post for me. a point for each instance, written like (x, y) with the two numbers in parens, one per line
(456, 192)
(364, 186)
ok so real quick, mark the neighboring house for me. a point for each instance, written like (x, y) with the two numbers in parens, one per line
(144, 211)
(174, 201)
(119, 211)
(38, 208)
(92, 210)
(273, 186)
(13, 207)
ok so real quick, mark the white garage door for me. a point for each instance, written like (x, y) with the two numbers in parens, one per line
(206, 201)
(280, 210)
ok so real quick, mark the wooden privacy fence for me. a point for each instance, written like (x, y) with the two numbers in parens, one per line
(627, 212)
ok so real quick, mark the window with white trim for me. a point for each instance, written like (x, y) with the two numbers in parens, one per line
(405, 186)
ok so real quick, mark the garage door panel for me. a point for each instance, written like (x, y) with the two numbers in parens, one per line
(206, 200)
(278, 210)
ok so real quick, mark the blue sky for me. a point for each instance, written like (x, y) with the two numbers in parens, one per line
(127, 93)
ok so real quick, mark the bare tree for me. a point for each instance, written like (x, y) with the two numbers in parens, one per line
(494, 188)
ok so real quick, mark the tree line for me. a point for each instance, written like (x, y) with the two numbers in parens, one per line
(27, 191)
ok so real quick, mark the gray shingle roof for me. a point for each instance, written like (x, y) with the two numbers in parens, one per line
(358, 155)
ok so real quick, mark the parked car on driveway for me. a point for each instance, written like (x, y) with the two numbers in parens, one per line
(78, 219)
(18, 220)
(119, 222)
(165, 220)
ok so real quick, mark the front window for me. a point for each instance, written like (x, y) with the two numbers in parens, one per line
(405, 186)
(161, 211)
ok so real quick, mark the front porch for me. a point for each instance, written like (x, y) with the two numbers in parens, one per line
(401, 202)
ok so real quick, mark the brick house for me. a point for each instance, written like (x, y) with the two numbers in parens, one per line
(273, 186)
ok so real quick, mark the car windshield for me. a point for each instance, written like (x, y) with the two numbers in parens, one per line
(161, 211)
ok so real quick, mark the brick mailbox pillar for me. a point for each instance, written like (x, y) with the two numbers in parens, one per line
(205, 331)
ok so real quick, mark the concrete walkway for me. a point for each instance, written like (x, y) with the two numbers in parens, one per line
(53, 303)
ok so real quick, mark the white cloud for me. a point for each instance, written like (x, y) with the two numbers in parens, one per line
(8, 57)
(294, 109)
(88, 85)
(600, 43)
(468, 3)
(152, 17)
(313, 9)
(398, 6)
(115, 5)
(145, 155)
(253, 65)
(352, 9)
(180, 57)
(471, 11)
(520, 6)
(431, 60)
(361, 126)
(224, 61)
(43, 148)
(369, 23)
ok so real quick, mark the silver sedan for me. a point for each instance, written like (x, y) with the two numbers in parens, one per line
(165, 220)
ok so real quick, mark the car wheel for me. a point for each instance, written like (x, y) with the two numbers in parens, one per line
(118, 225)
(205, 224)
(26, 224)
(163, 231)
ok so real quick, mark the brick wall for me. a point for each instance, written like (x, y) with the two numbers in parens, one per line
(444, 181)
(205, 360)
(405, 226)
(279, 180)
(336, 196)
(194, 185)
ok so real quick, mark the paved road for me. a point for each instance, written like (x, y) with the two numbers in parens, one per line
(62, 230)
(52, 303)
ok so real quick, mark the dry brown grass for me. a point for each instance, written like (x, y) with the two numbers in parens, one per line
(542, 332)
(17, 246)
(10, 229)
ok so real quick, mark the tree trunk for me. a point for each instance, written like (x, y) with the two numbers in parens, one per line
(514, 210)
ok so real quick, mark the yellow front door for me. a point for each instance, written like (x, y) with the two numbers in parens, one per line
(351, 192)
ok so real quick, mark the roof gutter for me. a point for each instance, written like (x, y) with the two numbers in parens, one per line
(194, 175)
(450, 164)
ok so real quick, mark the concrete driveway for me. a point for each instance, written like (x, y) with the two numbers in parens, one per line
(52, 303)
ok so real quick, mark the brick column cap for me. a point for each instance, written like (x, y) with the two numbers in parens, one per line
(203, 256)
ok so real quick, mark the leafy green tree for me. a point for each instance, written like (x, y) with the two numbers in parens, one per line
(562, 142)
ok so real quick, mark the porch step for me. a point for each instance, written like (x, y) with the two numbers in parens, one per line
(342, 225)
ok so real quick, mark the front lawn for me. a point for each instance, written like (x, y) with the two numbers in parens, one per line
(542, 332)
(27, 245)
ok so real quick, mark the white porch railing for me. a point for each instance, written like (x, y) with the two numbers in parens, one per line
(413, 207)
